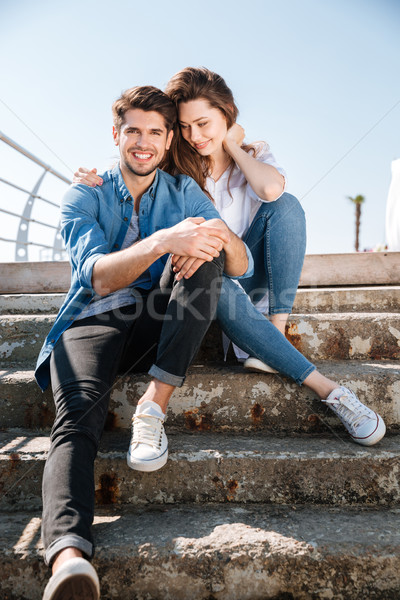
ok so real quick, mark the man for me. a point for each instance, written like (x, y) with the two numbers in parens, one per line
(128, 307)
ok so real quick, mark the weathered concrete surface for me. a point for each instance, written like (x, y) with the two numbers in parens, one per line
(355, 268)
(213, 468)
(22, 336)
(30, 304)
(308, 300)
(356, 299)
(346, 335)
(236, 552)
(334, 336)
(222, 398)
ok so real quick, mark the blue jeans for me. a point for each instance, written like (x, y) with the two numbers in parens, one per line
(277, 240)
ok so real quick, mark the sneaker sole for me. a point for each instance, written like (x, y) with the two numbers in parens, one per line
(77, 587)
(148, 465)
(375, 436)
(78, 580)
(257, 366)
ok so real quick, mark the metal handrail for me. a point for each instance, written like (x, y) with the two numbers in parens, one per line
(13, 214)
(21, 150)
(27, 243)
(22, 243)
(20, 189)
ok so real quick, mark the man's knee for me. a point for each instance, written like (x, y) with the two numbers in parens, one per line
(81, 407)
(209, 271)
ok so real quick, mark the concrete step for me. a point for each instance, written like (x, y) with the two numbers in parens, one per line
(224, 398)
(327, 336)
(222, 552)
(218, 468)
(356, 268)
(308, 300)
(351, 299)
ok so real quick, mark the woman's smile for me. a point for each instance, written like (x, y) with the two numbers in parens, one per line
(201, 145)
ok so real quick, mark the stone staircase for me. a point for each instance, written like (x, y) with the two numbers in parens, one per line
(263, 496)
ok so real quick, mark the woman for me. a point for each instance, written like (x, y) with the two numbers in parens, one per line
(247, 187)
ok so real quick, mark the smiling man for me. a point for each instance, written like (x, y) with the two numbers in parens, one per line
(127, 310)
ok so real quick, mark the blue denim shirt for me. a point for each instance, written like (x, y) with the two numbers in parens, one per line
(94, 222)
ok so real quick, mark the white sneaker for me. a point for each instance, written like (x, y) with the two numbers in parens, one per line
(365, 426)
(148, 450)
(253, 364)
(76, 579)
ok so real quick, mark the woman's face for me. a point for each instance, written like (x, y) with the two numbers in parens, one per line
(202, 126)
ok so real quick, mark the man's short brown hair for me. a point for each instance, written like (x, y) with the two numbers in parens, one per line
(146, 98)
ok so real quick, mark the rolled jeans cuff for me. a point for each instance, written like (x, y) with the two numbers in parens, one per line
(68, 541)
(306, 373)
(165, 377)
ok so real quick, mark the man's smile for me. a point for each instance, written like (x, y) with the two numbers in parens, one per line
(142, 156)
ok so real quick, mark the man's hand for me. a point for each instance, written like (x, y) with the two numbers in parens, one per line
(186, 266)
(194, 237)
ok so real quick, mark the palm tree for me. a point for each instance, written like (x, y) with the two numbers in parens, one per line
(357, 200)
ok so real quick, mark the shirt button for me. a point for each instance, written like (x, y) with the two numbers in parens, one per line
(121, 201)
(116, 245)
(125, 218)
(52, 341)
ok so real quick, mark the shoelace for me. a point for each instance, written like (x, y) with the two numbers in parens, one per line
(351, 410)
(146, 429)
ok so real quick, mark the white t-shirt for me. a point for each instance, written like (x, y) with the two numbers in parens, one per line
(238, 210)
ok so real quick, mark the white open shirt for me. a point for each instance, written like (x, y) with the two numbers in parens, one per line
(239, 209)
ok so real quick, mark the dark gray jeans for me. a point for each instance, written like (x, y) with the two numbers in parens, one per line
(165, 327)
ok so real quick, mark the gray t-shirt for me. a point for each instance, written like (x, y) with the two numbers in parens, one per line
(124, 296)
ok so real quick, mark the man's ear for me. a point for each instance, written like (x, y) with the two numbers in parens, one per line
(169, 139)
(115, 136)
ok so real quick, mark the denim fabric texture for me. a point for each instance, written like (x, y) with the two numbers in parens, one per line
(277, 240)
(254, 333)
(94, 222)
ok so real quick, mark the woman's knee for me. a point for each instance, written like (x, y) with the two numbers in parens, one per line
(290, 204)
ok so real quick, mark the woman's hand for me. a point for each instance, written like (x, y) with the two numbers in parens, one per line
(86, 177)
(185, 266)
(234, 135)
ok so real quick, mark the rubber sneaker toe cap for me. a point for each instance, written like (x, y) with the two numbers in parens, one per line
(371, 432)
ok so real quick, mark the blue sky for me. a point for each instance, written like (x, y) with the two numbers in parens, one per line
(317, 79)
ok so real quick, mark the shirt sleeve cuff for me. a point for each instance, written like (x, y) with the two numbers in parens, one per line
(250, 266)
(85, 278)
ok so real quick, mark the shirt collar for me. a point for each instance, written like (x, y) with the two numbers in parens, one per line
(153, 188)
(123, 191)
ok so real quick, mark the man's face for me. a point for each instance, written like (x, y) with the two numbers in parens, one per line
(142, 140)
